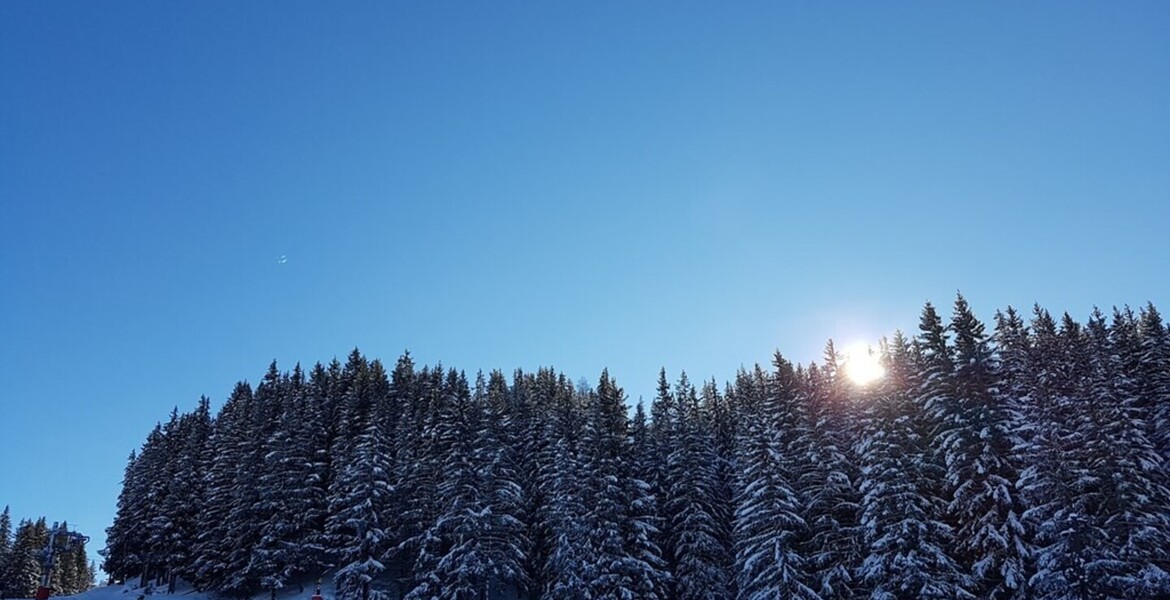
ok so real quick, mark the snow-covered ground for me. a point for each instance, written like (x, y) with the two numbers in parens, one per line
(184, 592)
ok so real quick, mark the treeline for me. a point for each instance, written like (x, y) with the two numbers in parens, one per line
(1024, 462)
(21, 559)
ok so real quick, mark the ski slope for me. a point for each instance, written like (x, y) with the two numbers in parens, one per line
(184, 592)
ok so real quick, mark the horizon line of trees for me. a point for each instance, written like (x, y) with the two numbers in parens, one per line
(21, 560)
(1026, 462)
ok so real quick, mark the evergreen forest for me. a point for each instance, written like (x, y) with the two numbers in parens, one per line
(1023, 458)
(21, 560)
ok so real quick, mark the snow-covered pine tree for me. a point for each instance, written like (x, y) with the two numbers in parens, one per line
(718, 416)
(291, 495)
(190, 457)
(451, 444)
(248, 513)
(626, 564)
(400, 417)
(319, 429)
(1126, 489)
(942, 417)
(691, 473)
(768, 522)
(908, 556)
(24, 564)
(154, 469)
(1033, 353)
(5, 544)
(1013, 348)
(417, 473)
(122, 556)
(981, 473)
(663, 420)
(947, 429)
(1057, 476)
(602, 446)
(163, 535)
(359, 521)
(480, 541)
(76, 575)
(532, 395)
(652, 579)
(834, 545)
(345, 403)
(568, 566)
(214, 541)
(325, 392)
(1012, 344)
(1153, 376)
(508, 546)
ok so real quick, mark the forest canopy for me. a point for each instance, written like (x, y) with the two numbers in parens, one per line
(1024, 460)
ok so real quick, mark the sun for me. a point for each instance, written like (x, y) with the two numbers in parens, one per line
(861, 365)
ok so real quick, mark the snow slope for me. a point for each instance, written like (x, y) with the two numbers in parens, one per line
(184, 592)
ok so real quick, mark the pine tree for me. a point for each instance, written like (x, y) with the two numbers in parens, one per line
(506, 546)
(626, 563)
(24, 563)
(418, 470)
(359, 524)
(1153, 376)
(718, 416)
(651, 578)
(320, 429)
(529, 445)
(768, 522)
(292, 494)
(834, 545)
(1132, 503)
(5, 546)
(120, 556)
(149, 537)
(176, 491)
(907, 542)
(404, 428)
(568, 565)
(246, 512)
(217, 538)
(981, 476)
(1058, 475)
(1012, 349)
(477, 525)
(162, 462)
(692, 476)
(663, 420)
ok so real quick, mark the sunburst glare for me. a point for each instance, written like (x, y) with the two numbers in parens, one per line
(862, 365)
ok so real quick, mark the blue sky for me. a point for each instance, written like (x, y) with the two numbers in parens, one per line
(502, 185)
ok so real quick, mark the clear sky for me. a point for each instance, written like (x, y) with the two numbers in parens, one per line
(506, 184)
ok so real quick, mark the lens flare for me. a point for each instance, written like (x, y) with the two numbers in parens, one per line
(862, 365)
